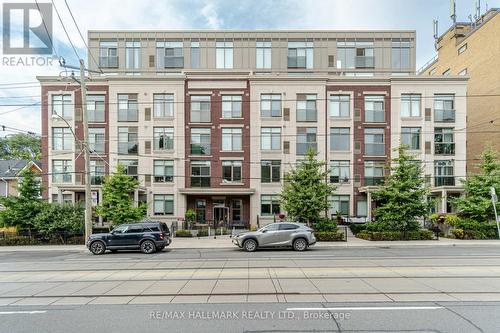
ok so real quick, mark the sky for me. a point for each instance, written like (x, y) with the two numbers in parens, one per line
(213, 14)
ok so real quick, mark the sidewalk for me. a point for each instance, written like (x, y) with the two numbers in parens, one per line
(225, 242)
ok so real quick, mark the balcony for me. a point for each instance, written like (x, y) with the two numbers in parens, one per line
(174, 62)
(108, 62)
(297, 62)
(444, 181)
(200, 149)
(365, 62)
(374, 116)
(444, 149)
(339, 179)
(374, 149)
(128, 148)
(200, 181)
(302, 148)
(374, 181)
(444, 116)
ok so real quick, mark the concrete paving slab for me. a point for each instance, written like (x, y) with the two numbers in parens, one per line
(480, 297)
(450, 285)
(436, 297)
(227, 299)
(151, 300)
(297, 286)
(36, 301)
(66, 288)
(96, 288)
(262, 299)
(112, 300)
(206, 273)
(130, 288)
(305, 298)
(31, 289)
(261, 286)
(230, 286)
(342, 286)
(190, 299)
(238, 273)
(7, 301)
(164, 287)
(73, 301)
(339, 298)
(389, 285)
(198, 287)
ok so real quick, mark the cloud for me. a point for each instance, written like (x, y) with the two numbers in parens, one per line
(209, 12)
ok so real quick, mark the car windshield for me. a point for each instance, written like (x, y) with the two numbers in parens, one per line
(121, 229)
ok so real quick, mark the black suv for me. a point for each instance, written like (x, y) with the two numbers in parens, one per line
(148, 237)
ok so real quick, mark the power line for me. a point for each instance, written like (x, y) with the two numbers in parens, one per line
(65, 31)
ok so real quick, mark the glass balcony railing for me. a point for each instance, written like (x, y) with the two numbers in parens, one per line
(365, 62)
(200, 181)
(374, 181)
(444, 149)
(444, 116)
(302, 148)
(128, 148)
(374, 149)
(108, 62)
(444, 181)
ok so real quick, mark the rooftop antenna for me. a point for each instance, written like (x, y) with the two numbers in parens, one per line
(436, 25)
(472, 22)
(453, 11)
(478, 10)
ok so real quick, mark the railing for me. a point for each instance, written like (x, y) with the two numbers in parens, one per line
(296, 62)
(129, 148)
(200, 149)
(375, 149)
(427, 65)
(444, 149)
(108, 62)
(444, 116)
(303, 148)
(174, 62)
(444, 181)
(374, 181)
(365, 61)
(199, 181)
(374, 116)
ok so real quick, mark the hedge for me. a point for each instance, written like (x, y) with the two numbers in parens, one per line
(13, 241)
(329, 236)
(487, 231)
(395, 235)
(355, 228)
(183, 233)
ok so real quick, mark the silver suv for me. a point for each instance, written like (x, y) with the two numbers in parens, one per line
(296, 235)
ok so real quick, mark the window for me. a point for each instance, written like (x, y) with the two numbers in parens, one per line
(200, 173)
(95, 108)
(195, 54)
(108, 54)
(62, 138)
(444, 143)
(200, 109)
(200, 207)
(306, 139)
(362, 208)
(269, 204)
(231, 139)
(169, 54)
(163, 204)
(355, 54)
(444, 108)
(340, 172)
(410, 136)
(340, 138)
(97, 172)
(97, 140)
(287, 226)
(231, 171)
(127, 140)
(134, 229)
(270, 171)
(410, 105)
(163, 105)
(200, 141)
(133, 55)
(374, 142)
(67, 199)
(62, 171)
(131, 167)
(62, 105)
(400, 54)
(374, 109)
(340, 204)
(236, 209)
(463, 72)
(462, 48)
(270, 138)
(127, 107)
(300, 54)
(224, 54)
(374, 173)
(339, 106)
(270, 105)
(163, 171)
(447, 72)
(163, 138)
(443, 171)
(346, 53)
(364, 55)
(231, 106)
(306, 108)
(263, 54)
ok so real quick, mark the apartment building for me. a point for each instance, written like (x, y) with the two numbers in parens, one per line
(471, 49)
(211, 120)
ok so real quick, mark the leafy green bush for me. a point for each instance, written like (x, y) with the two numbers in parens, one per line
(183, 233)
(451, 220)
(55, 219)
(325, 225)
(14, 241)
(329, 236)
(395, 235)
(202, 233)
(355, 228)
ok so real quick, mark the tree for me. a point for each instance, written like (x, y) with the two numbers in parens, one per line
(55, 219)
(476, 204)
(117, 205)
(306, 193)
(403, 196)
(23, 146)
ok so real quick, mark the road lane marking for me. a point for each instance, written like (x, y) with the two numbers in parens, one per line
(369, 308)
(20, 312)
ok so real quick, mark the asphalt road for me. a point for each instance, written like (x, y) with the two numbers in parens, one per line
(377, 289)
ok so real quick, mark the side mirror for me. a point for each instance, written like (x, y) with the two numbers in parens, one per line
(264, 231)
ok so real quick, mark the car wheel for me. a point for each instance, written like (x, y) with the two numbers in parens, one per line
(97, 247)
(148, 247)
(300, 244)
(250, 245)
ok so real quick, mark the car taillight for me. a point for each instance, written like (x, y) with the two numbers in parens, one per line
(162, 236)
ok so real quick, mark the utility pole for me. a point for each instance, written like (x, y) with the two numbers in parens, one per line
(494, 200)
(88, 193)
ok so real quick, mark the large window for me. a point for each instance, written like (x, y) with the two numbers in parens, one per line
(263, 54)
(97, 172)
(195, 54)
(339, 106)
(306, 139)
(339, 172)
(231, 139)
(444, 108)
(163, 171)
(131, 167)
(410, 136)
(62, 105)
(200, 109)
(444, 143)
(231, 171)
(163, 105)
(231, 106)
(169, 54)
(270, 105)
(374, 142)
(340, 138)
(108, 54)
(224, 54)
(96, 108)
(355, 54)
(133, 55)
(300, 54)
(127, 107)
(201, 210)
(163, 138)
(62, 171)
(62, 138)
(127, 140)
(163, 204)
(306, 107)
(269, 204)
(410, 105)
(200, 173)
(200, 141)
(400, 54)
(374, 173)
(270, 138)
(444, 174)
(374, 109)
(270, 171)
(97, 139)
(340, 204)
